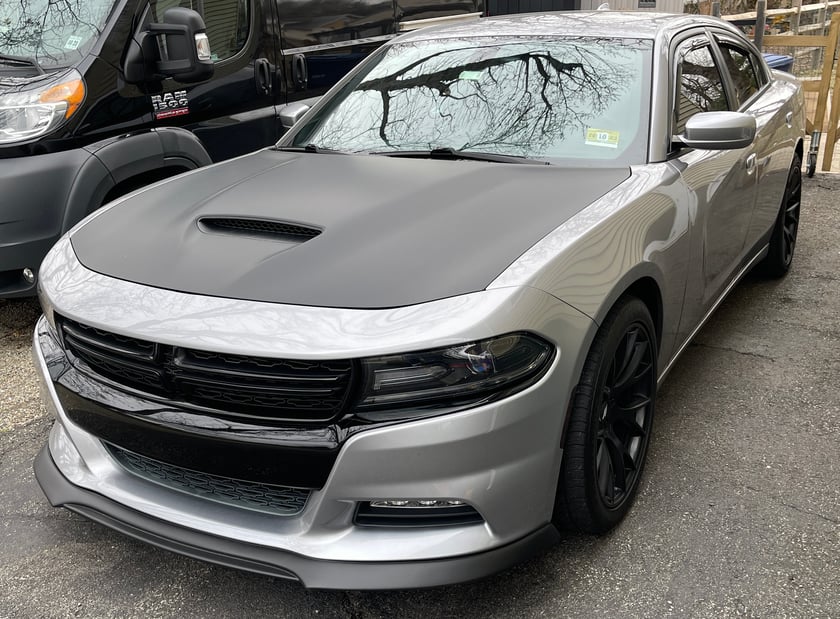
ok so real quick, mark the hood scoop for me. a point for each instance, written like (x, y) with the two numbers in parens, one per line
(271, 229)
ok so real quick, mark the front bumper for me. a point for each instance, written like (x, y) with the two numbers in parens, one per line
(314, 573)
(502, 458)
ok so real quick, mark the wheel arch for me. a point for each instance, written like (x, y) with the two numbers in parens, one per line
(645, 283)
(121, 164)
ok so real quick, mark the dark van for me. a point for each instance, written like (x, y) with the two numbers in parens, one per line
(100, 97)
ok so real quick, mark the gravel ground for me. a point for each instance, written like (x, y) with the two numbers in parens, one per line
(19, 394)
(738, 513)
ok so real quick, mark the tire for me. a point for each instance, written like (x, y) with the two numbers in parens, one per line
(611, 418)
(783, 239)
(812, 164)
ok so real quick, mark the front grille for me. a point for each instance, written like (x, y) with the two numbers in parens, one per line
(278, 500)
(259, 388)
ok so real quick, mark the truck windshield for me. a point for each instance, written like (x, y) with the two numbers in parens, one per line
(50, 33)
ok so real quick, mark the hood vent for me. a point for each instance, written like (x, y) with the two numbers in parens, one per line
(263, 228)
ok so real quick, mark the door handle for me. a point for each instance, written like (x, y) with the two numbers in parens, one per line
(750, 164)
(262, 75)
(789, 119)
(300, 74)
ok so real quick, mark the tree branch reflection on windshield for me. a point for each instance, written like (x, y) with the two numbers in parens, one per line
(521, 98)
(50, 30)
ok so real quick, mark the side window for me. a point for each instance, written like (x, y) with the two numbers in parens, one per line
(227, 22)
(742, 69)
(699, 85)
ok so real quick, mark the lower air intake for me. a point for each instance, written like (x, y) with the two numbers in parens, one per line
(277, 500)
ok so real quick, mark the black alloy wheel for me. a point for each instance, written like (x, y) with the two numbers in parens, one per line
(783, 240)
(610, 423)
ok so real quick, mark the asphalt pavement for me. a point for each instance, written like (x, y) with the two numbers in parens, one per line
(738, 514)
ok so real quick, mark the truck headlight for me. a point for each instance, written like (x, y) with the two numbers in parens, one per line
(430, 382)
(27, 114)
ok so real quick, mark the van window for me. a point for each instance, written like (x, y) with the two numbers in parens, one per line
(51, 33)
(227, 22)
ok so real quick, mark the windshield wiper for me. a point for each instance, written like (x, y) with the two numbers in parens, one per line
(452, 154)
(312, 148)
(24, 60)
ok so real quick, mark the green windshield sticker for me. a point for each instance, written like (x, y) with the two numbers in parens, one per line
(73, 42)
(470, 75)
(601, 137)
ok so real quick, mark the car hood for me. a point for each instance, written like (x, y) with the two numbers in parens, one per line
(385, 232)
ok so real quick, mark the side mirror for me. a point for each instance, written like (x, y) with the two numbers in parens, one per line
(177, 48)
(718, 131)
(291, 113)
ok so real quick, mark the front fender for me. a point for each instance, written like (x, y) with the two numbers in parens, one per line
(638, 231)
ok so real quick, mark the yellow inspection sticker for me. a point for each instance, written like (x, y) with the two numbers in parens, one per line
(601, 137)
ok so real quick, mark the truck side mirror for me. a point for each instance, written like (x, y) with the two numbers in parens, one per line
(177, 48)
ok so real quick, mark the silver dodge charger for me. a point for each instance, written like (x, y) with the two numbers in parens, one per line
(423, 334)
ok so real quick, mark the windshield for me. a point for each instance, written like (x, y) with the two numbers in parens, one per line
(580, 99)
(51, 32)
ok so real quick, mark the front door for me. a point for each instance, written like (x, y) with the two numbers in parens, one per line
(234, 112)
(723, 181)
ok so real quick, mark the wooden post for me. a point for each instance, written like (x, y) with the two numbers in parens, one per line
(822, 16)
(760, 22)
(794, 19)
(834, 115)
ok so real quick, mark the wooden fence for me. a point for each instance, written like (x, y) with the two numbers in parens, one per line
(815, 40)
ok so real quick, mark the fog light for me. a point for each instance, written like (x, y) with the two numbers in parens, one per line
(416, 513)
(29, 275)
(417, 503)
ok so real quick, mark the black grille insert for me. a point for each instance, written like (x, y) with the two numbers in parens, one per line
(277, 230)
(278, 500)
(258, 388)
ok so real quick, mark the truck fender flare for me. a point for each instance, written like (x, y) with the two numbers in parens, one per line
(124, 158)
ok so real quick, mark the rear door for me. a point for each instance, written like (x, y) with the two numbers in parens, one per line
(322, 41)
(770, 105)
(408, 11)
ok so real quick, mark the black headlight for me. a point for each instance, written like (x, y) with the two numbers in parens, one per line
(433, 381)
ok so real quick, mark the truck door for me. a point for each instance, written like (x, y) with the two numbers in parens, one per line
(408, 11)
(321, 42)
(234, 112)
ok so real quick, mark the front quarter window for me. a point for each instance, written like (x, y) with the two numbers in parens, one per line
(571, 98)
(699, 85)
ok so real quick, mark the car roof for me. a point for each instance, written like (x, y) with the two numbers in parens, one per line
(599, 24)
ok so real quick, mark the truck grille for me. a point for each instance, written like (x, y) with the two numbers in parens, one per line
(278, 500)
(257, 388)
